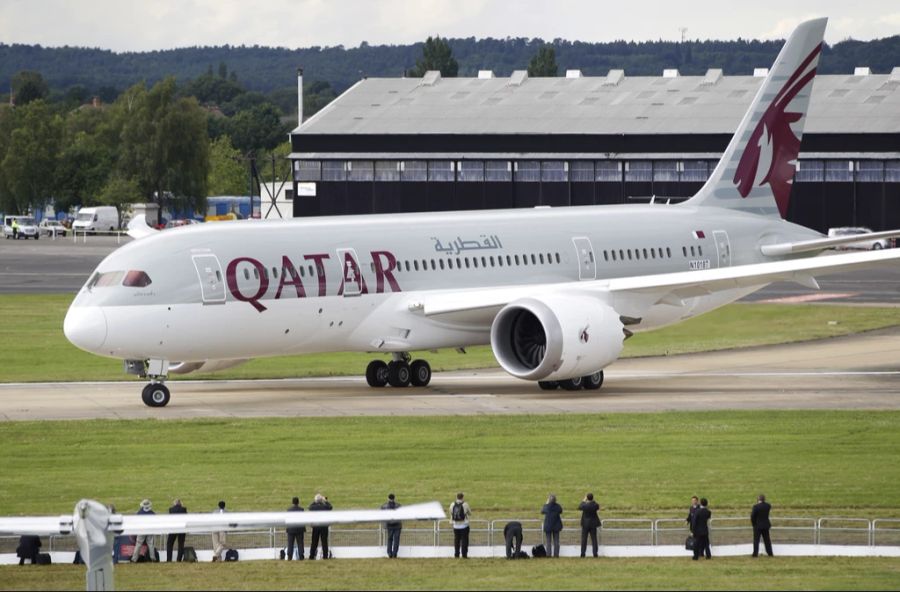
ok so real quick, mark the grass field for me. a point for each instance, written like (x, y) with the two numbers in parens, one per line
(810, 463)
(36, 350)
(483, 574)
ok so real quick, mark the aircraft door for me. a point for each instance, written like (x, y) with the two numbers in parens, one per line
(212, 287)
(352, 281)
(723, 247)
(584, 254)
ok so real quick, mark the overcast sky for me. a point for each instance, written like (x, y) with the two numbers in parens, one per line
(128, 25)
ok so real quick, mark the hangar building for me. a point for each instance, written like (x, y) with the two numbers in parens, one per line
(433, 143)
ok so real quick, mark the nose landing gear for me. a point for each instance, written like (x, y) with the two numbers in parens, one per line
(399, 372)
(156, 395)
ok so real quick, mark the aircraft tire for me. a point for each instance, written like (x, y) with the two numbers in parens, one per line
(377, 374)
(593, 381)
(156, 395)
(420, 373)
(548, 385)
(398, 374)
(571, 384)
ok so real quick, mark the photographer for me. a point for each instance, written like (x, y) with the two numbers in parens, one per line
(590, 522)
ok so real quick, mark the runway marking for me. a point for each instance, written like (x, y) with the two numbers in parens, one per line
(815, 297)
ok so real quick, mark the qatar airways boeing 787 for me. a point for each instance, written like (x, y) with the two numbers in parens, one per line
(554, 291)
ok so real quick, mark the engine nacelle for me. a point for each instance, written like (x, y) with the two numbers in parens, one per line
(207, 366)
(556, 337)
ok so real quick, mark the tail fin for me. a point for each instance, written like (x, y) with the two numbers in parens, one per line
(757, 169)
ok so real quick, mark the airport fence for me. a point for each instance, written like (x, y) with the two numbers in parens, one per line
(830, 530)
(83, 234)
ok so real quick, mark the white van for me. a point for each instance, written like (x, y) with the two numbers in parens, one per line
(27, 227)
(96, 218)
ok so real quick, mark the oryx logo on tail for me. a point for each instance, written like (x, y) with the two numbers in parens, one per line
(780, 145)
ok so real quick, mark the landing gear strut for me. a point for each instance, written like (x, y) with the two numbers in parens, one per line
(155, 394)
(591, 382)
(399, 372)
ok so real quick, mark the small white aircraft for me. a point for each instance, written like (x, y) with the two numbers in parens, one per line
(554, 291)
(95, 527)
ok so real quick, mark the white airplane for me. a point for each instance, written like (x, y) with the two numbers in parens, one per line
(554, 291)
(95, 527)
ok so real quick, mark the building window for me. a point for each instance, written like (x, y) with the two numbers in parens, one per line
(665, 170)
(870, 171)
(694, 171)
(581, 171)
(608, 171)
(334, 170)
(837, 171)
(471, 170)
(414, 170)
(307, 170)
(554, 171)
(528, 171)
(387, 170)
(441, 170)
(497, 170)
(892, 171)
(361, 170)
(810, 171)
(638, 171)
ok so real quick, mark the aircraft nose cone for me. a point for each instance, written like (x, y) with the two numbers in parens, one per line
(85, 327)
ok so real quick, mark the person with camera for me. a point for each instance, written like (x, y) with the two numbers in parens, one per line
(319, 533)
(553, 525)
(590, 522)
(295, 533)
(759, 518)
(700, 530)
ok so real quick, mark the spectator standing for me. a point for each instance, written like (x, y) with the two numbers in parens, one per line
(29, 547)
(319, 533)
(695, 505)
(700, 528)
(759, 518)
(459, 516)
(15, 228)
(590, 522)
(177, 508)
(393, 527)
(146, 509)
(219, 539)
(512, 534)
(552, 512)
(295, 533)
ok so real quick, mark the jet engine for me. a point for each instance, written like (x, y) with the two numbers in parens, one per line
(207, 366)
(556, 337)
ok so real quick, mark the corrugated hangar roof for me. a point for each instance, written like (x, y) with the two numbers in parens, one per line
(612, 104)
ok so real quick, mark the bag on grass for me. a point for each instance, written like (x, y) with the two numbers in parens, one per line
(231, 555)
(190, 555)
(538, 551)
(520, 555)
(44, 559)
(689, 543)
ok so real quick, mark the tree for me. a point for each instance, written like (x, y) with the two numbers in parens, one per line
(121, 192)
(83, 171)
(30, 161)
(223, 70)
(543, 63)
(227, 173)
(29, 86)
(259, 128)
(436, 55)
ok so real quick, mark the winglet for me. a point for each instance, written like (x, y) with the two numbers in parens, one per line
(138, 227)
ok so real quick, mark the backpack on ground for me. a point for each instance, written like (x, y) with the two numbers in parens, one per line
(44, 559)
(520, 555)
(458, 512)
(538, 551)
(190, 555)
(231, 555)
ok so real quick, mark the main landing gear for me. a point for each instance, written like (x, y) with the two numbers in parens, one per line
(398, 372)
(590, 383)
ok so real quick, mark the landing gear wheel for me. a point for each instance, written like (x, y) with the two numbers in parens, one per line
(377, 373)
(421, 373)
(156, 395)
(593, 382)
(548, 385)
(571, 384)
(398, 374)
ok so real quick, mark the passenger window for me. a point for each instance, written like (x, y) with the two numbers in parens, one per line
(621, 255)
(613, 255)
(605, 256)
(557, 258)
(433, 266)
(629, 254)
(509, 261)
(700, 250)
(467, 262)
(416, 264)
(274, 273)
(500, 260)
(441, 263)
(517, 260)
(407, 265)
(684, 251)
(541, 257)
(645, 254)
(653, 252)
(692, 251)
(246, 274)
(533, 259)
(475, 262)
(255, 273)
(492, 260)
(668, 252)
(483, 262)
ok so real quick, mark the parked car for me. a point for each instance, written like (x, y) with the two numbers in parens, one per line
(50, 227)
(180, 222)
(28, 228)
(867, 245)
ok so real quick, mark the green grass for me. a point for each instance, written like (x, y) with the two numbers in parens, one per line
(794, 573)
(34, 348)
(810, 463)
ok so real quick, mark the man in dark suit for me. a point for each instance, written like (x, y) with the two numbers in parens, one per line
(759, 518)
(319, 533)
(295, 534)
(695, 505)
(700, 529)
(590, 522)
(512, 534)
(177, 508)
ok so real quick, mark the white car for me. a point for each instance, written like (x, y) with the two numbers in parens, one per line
(867, 245)
(52, 228)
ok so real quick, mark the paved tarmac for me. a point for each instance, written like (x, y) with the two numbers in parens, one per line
(855, 372)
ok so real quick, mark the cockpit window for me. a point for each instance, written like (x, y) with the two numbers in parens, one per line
(136, 279)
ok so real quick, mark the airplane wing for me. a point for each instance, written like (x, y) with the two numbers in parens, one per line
(200, 523)
(138, 227)
(628, 295)
(819, 244)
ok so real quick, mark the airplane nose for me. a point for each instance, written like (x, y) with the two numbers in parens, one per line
(85, 327)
